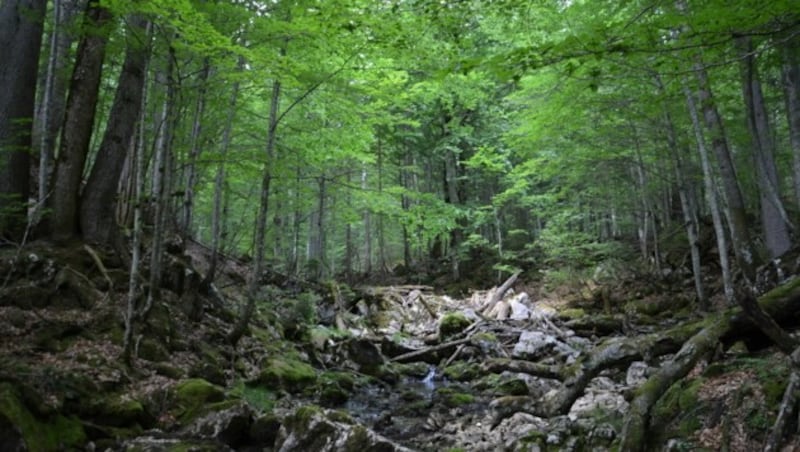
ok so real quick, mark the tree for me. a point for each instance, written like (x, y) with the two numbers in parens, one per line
(78, 124)
(20, 41)
(97, 209)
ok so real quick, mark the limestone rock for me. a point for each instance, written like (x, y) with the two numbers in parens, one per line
(311, 429)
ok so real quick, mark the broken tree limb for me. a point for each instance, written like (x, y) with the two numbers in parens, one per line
(781, 302)
(788, 407)
(699, 346)
(497, 295)
(498, 365)
(416, 354)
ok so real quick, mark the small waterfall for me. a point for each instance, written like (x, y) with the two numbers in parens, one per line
(428, 380)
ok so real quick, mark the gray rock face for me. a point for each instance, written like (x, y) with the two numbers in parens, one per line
(533, 345)
(311, 429)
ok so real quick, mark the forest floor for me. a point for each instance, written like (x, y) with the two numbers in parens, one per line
(329, 367)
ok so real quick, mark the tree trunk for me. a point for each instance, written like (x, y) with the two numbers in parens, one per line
(97, 215)
(219, 186)
(136, 161)
(367, 228)
(790, 70)
(162, 180)
(195, 150)
(316, 235)
(712, 199)
(745, 251)
(21, 23)
(51, 108)
(688, 206)
(743, 246)
(78, 124)
(261, 222)
(774, 220)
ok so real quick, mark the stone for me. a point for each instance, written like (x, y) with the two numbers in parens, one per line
(533, 345)
(311, 428)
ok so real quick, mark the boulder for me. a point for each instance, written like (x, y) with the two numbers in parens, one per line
(311, 428)
(533, 345)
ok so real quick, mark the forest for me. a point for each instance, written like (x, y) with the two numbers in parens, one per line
(392, 225)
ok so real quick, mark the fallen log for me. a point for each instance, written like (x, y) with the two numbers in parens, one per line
(497, 295)
(782, 302)
(498, 365)
(417, 354)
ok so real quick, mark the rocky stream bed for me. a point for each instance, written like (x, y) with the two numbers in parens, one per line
(373, 368)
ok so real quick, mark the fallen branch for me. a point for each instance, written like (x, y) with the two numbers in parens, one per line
(497, 295)
(498, 365)
(409, 357)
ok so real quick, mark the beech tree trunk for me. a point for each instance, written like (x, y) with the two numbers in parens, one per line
(97, 215)
(162, 180)
(774, 219)
(261, 222)
(78, 125)
(219, 187)
(51, 107)
(790, 71)
(712, 199)
(194, 152)
(21, 34)
(745, 251)
(688, 207)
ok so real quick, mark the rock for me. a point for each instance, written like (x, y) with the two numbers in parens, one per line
(230, 426)
(637, 373)
(190, 396)
(452, 324)
(533, 345)
(287, 373)
(21, 430)
(519, 306)
(159, 443)
(364, 352)
(264, 429)
(311, 428)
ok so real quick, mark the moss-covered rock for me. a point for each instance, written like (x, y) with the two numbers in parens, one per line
(462, 371)
(190, 396)
(452, 323)
(120, 411)
(513, 387)
(453, 397)
(287, 373)
(20, 428)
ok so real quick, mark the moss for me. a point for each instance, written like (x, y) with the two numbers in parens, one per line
(572, 313)
(344, 380)
(462, 371)
(514, 386)
(332, 394)
(288, 373)
(452, 323)
(120, 412)
(454, 398)
(191, 395)
(679, 400)
(55, 433)
(258, 398)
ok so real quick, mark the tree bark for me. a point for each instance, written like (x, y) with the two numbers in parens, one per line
(712, 199)
(78, 123)
(219, 186)
(162, 180)
(744, 249)
(97, 214)
(194, 153)
(261, 222)
(21, 23)
(51, 108)
(774, 219)
(790, 71)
